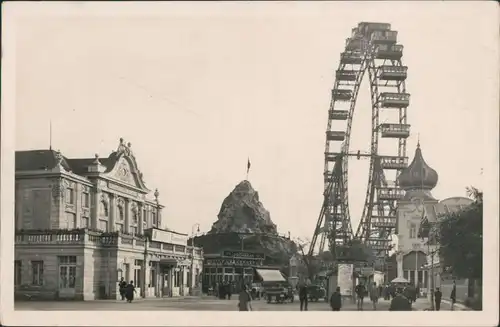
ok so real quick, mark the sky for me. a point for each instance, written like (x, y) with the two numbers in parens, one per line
(198, 89)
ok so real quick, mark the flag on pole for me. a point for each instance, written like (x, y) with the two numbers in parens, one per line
(248, 165)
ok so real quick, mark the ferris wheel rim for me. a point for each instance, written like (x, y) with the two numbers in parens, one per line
(368, 64)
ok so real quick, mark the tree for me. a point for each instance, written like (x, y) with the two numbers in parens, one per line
(460, 237)
(311, 264)
(356, 251)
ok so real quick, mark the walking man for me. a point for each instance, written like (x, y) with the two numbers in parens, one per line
(453, 296)
(374, 295)
(122, 286)
(245, 300)
(360, 294)
(303, 297)
(437, 298)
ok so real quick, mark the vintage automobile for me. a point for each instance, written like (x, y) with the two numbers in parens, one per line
(279, 292)
(316, 292)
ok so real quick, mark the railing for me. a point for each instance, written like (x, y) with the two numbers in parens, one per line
(90, 238)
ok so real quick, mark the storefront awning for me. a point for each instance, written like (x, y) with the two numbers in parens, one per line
(270, 275)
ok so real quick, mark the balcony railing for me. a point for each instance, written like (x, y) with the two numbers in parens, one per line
(88, 238)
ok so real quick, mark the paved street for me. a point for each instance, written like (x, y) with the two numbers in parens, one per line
(195, 303)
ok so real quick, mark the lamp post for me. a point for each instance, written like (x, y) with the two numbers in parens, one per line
(426, 232)
(197, 226)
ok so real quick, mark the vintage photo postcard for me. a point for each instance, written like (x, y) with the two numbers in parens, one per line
(312, 163)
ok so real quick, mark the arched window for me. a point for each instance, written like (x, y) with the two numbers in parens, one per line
(121, 215)
(104, 208)
(413, 230)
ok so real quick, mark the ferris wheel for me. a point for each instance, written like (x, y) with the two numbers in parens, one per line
(372, 48)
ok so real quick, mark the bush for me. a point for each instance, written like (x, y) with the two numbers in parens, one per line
(474, 303)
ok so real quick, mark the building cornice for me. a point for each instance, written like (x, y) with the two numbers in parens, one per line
(31, 174)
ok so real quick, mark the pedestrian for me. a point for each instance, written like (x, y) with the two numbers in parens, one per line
(303, 294)
(244, 303)
(453, 296)
(360, 291)
(385, 292)
(122, 284)
(229, 291)
(400, 302)
(380, 290)
(336, 300)
(437, 298)
(374, 295)
(222, 291)
(130, 291)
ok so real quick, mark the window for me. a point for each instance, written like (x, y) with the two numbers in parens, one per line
(71, 220)
(70, 196)
(179, 248)
(137, 277)
(189, 277)
(120, 212)
(177, 278)
(413, 230)
(152, 278)
(17, 272)
(145, 217)
(37, 273)
(135, 230)
(85, 222)
(67, 260)
(104, 208)
(67, 271)
(153, 218)
(103, 225)
(85, 200)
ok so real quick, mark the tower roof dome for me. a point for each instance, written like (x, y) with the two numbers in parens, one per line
(418, 175)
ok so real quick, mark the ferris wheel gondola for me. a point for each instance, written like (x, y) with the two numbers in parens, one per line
(371, 48)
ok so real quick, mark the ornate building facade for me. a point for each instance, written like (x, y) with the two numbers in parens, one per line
(82, 224)
(413, 255)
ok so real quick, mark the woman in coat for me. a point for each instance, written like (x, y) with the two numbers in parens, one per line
(129, 292)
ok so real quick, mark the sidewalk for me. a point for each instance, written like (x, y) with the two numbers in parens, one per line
(424, 304)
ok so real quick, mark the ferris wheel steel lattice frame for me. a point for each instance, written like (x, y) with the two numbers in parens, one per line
(372, 48)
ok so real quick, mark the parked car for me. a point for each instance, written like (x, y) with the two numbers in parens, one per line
(316, 292)
(280, 292)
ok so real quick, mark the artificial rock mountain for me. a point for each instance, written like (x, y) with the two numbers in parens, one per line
(244, 224)
(242, 212)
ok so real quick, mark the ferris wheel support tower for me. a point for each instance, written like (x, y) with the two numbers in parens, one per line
(372, 48)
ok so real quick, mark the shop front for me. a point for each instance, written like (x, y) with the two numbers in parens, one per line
(236, 267)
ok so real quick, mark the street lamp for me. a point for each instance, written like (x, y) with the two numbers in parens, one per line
(197, 227)
(426, 232)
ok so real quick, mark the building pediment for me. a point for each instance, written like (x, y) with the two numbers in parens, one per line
(124, 168)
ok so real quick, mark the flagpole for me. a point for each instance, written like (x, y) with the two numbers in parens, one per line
(248, 167)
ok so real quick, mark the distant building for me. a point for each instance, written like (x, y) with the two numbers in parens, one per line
(412, 256)
(82, 224)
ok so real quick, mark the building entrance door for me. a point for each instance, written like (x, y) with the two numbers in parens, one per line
(67, 276)
(165, 285)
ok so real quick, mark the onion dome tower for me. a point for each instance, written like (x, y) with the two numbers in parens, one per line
(418, 179)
